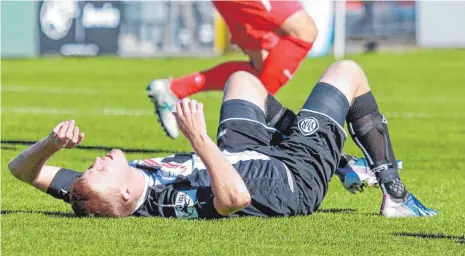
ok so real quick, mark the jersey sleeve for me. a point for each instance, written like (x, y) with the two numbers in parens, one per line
(61, 184)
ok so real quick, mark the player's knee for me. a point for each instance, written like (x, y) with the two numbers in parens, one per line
(245, 86)
(348, 70)
(301, 26)
(347, 76)
(237, 80)
(242, 81)
(240, 77)
(355, 74)
(348, 66)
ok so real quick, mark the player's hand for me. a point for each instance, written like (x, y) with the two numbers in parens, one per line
(190, 118)
(66, 135)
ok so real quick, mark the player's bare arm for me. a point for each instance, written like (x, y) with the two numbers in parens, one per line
(231, 194)
(29, 166)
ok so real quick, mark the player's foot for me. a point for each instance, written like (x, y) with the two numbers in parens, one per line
(349, 179)
(355, 174)
(408, 207)
(165, 104)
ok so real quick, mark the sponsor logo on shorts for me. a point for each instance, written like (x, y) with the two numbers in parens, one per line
(184, 206)
(308, 126)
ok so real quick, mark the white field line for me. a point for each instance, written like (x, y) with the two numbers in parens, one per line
(149, 112)
(75, 112)
(64, 111)
(51, 90)
(140, 90)
(127, 112)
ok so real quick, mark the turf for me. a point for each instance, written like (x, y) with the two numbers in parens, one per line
(421, 93)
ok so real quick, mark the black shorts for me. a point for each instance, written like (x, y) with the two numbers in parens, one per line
(311, 152)
(242, 130)
(243, 127)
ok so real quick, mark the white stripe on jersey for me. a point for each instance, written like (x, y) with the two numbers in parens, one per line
(233, 158)
(167, 172)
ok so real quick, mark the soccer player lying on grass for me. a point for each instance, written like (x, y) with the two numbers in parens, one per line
(275, 35)
(247, 172)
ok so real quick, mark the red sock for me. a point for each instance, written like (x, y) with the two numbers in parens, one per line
(213, 79)
(282, 62)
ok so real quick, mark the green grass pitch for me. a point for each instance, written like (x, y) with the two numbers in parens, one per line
(422, 93)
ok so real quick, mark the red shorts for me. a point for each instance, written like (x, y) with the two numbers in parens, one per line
(251, 23)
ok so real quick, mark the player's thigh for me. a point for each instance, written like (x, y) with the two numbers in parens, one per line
(312, 152)
(252, 23)
(270, 185)
(318, 129)
(316, 139)
(242, 127)
(265, 14)
(245, 86)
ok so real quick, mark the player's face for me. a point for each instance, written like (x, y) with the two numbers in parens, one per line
(110, 170)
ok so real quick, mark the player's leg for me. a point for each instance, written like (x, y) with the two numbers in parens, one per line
(351, 170)
(243, 129)
(212, 79)
(316, 137)
(283, 29)
(247, 103)
(165, 93)
(243, 122)
(276, 116)
(368, 128)
(297, 32)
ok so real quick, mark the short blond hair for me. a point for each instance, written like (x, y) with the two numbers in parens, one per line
(87, 201)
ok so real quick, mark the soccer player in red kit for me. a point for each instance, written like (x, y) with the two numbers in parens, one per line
(276, 36)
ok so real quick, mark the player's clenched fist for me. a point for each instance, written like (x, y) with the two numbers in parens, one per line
(190, 118)
(66, 135)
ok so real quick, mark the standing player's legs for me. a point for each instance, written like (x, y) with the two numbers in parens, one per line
(297, 32)
(282, 28)
(251, 23)
(277, 36)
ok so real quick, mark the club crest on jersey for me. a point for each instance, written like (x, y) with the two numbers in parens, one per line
(308, 126)
(184, 206)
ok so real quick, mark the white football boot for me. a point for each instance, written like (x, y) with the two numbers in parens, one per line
(165, 104)
(409, 207)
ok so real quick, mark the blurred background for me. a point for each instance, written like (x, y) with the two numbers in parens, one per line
(193, 28)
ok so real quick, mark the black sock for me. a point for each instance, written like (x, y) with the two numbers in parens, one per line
(368, 128)
(277, 116)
